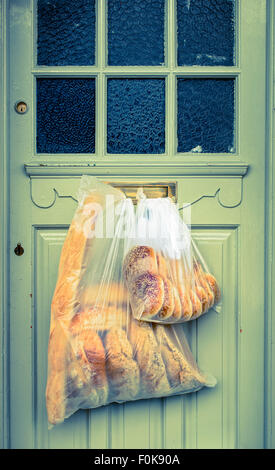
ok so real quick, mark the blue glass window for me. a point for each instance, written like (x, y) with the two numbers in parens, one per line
(66, 32)
(65, 115)
(205, 32)
(205, 115)
(136, 32)
(136, 115)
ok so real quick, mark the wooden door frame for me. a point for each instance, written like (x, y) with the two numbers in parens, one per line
(4, 229)
(270, 233)
(6, 252)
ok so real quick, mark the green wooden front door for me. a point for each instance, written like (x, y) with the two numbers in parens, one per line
(223, 183)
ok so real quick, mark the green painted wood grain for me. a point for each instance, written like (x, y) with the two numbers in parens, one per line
(232, 414)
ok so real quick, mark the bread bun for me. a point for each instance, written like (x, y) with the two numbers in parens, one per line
(168, 305)
(214, 286)
(186, 304)
(147, 294)
(139, 260)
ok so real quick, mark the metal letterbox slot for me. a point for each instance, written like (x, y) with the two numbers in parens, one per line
(151, 190)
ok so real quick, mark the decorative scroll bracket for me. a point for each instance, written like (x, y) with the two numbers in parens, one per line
(223, 182)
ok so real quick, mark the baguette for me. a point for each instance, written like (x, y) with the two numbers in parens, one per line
(58, 349)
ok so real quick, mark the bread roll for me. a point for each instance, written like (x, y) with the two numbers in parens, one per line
(122, 369)
(179, 371)
(186, 304)
(147, 354)
(214, 286)
(204, 300)
(196, 304)
(177, 313)
(139, 260)
(168, 305)
(162, 265)
(147, 294)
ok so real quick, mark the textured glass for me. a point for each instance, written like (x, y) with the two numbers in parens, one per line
(205, 115)
(136, 115)
(65, 115)
(205, 32)
(136, 32)
(66, 32)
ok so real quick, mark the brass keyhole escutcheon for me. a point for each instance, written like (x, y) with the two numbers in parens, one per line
(19, 250)
(21, 107)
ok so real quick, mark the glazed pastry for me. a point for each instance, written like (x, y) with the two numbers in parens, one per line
(147, 354)
(122, 370)
(179, 371)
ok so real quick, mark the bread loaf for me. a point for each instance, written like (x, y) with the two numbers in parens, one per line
(179, 371)
(64, 376)
(90, 355)
(122, 370)
(147, 354)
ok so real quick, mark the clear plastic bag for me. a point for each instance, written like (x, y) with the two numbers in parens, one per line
(98, 353)
(166, 276)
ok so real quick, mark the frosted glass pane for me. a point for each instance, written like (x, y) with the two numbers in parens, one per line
(66, 32)
(205, 115)
(65, 115)
(205, 32)
(136, 115)
(136, 32)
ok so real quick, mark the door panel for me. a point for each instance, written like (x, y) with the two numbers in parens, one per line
(227, 213)
(175, 422)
